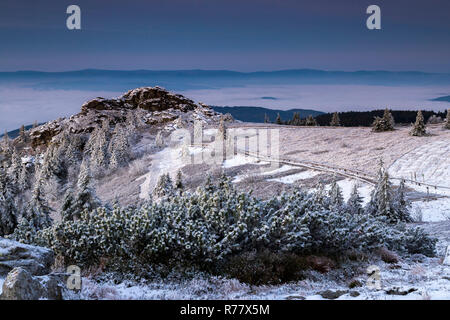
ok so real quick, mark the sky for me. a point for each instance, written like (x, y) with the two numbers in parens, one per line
(245, 35)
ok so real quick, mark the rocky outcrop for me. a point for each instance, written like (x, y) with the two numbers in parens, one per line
(35, 260)
(152, 105)
(21, 285)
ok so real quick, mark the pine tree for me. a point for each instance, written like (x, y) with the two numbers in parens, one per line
(384, 202)
(53, 163)
(37, 211)
(311, 121)
(296, 120)
(335, 195)
(354, 203)
(278, 120)
(35, 125)
(5, 142)
(335, 121)
(98, 148)
(8, 210)
(23, 134)
(179, 181)
(447, 120)
(386, 123)
(419, 128)
(266, 118)
(67, 209)
(401, 204)
(15, 167)
(164, 187)
(85, 197)
(119, 148)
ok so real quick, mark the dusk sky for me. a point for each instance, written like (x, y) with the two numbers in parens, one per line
(245, 35)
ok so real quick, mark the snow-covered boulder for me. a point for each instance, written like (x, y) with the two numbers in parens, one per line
(36, 260)
(21, 285)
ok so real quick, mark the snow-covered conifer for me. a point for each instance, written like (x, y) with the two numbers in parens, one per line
(37, 211)
(179, 181)
(335, 121)
(447, 120)
(419, 128)
(266, 118)
(8, 210)
(278, 120)
(85, 197)
(311, 121)
(164, 187)
(354, 203)
(386, 123)
(335, 195)
(384, 202)
(119, 148)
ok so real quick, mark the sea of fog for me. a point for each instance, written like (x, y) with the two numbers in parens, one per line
(24, 105)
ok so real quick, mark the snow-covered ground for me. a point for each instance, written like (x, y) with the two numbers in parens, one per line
(427, 279)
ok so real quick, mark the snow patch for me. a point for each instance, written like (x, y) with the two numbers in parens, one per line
(432, 211)
(297, 176)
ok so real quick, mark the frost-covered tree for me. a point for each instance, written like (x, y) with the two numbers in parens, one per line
(84, 197)
(296, 120)
(15, 167)
(23, 182)
(97, 148)
(311, 121)
(335, 121)
(23, 134)
(8, 210)
(419, 128)
(354, 203)
(320, 196)
(5, 140)
(278, 120)
(266, 118)
(164, 187)
(447, 120)
(383, 200)
(53, 165)
(36, 215)
(73, 153)
(179, 181)
(335, 195)
(386, 123)
(401, 204)
(119, 148)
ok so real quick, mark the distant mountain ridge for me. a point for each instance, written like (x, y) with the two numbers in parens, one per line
(257, 114)
(116, 80)
(444, 98)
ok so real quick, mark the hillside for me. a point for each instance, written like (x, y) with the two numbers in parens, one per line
(257, 114)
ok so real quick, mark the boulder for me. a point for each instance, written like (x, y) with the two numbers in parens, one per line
(154, 105)
(21, 285)
(13, 254)
(331, 294)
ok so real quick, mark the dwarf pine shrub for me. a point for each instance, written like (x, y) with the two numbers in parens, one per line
(208, 228)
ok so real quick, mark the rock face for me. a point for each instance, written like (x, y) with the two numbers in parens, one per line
(152, 105)
(35, 260)
(21, 285)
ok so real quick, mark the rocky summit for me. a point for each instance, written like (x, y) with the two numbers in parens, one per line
(153, 105)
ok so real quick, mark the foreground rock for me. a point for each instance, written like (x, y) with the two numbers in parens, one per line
(35, 260)
(21, 285)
